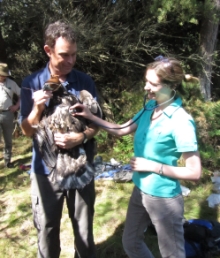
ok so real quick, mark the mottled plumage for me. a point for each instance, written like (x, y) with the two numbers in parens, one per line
(68, 167)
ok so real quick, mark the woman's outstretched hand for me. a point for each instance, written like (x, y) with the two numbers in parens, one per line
(80, 110)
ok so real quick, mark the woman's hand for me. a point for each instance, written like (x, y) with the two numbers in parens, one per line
(80, 110)
(140, 164)
(191, 171)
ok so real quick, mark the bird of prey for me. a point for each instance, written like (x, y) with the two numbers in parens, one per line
(68, 167)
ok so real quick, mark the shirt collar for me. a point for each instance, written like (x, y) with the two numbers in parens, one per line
(176, 104)
(71, 77)
(45, 75)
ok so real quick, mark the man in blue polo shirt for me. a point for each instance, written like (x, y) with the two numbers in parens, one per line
(48, 198)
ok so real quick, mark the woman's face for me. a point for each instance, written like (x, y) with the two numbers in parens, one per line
(156, 90)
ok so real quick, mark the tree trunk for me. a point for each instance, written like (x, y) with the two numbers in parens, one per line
(3, 55)
(208, 38)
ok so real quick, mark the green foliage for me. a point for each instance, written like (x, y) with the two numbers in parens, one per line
(124, 108)
(207, 117)
(209, 134)
(116, 41)
(123, 149)
(185, 10)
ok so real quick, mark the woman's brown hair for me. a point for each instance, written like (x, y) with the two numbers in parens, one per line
(170, 72)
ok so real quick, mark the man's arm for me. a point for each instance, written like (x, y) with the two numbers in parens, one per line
(15, 107)
(29, 124)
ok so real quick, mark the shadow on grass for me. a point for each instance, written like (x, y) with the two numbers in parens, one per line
(13, 177)
(112, 247)
(17, 241)
(13, 220)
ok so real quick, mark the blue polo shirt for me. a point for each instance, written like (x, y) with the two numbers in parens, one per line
(163, 142)
(76, 81)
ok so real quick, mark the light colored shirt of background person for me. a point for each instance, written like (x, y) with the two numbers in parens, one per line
(6, 102)
(8, 88)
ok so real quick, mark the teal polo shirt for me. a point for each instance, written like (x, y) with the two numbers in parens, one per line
(163, 142)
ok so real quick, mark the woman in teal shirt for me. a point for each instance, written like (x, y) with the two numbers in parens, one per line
(164, 132)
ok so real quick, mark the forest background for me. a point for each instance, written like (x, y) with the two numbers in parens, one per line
(116, 40)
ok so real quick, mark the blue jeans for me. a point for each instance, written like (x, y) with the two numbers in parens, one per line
(166, 214)
(47, 206)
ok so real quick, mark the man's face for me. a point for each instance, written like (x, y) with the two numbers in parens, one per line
(62, 56)
(3, 78)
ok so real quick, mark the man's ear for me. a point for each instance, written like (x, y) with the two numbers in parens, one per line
(47, 49)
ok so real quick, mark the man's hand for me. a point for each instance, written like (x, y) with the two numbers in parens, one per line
(40, 97)
(28, 125)
(68, 140)
(13, 108)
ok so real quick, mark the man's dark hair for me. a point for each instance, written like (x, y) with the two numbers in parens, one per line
(56, 30)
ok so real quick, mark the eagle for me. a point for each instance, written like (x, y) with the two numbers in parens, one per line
(68, 167)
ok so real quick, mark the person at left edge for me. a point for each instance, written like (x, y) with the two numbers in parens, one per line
(8, 87)
(47, 197)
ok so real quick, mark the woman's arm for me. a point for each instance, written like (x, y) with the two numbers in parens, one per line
(115, 129)
(192, 170)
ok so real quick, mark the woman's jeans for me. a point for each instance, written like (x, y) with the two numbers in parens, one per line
(166, 214)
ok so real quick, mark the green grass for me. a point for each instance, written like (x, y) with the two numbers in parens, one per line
(18, 236)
